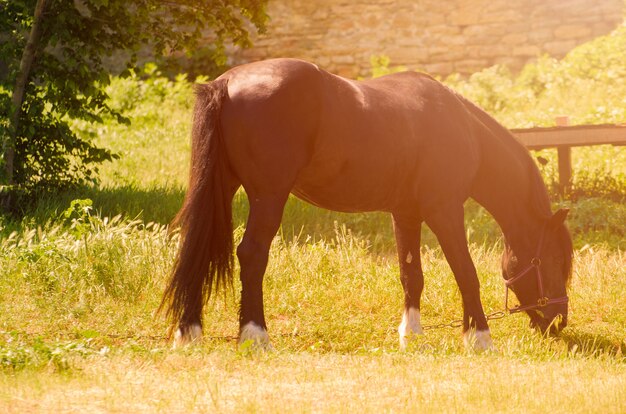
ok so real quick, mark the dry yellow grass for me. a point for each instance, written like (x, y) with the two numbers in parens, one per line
(224, 381)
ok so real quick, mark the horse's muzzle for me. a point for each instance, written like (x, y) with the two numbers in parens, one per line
(551, 320)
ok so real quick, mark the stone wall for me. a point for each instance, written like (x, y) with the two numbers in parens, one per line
(438, 36)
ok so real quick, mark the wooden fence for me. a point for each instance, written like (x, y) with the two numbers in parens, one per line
(564, 137)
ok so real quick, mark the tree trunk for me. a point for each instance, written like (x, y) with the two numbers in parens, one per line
(20, 85)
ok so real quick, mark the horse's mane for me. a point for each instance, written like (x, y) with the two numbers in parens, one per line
(538, 193)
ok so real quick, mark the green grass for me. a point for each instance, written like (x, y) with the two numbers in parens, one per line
(78, 333)
(78, 294)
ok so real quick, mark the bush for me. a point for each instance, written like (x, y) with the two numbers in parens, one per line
(587, 85)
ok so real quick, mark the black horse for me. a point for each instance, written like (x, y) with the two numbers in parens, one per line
(402, 143)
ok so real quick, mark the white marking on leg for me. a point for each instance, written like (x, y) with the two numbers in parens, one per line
(255, 333)
(410, 326)
(192, 334)
(478, 341)
(409, 258)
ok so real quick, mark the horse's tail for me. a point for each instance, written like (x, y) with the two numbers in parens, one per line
(204, 262)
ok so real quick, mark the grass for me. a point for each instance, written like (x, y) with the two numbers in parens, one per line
(78, 333)
(207, 381)
(78, 292)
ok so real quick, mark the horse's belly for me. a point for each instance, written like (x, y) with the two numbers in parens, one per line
(351, 188)
(337, 200)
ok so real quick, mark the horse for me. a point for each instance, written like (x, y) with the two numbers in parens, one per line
(404, 144)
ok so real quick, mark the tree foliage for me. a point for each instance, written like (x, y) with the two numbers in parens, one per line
(81, 42)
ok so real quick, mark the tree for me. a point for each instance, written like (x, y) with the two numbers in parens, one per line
(55, 63)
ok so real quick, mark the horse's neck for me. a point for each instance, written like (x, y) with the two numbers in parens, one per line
(508, 183)
(505, 186)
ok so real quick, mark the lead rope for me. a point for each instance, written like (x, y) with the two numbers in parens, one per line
(459, 322)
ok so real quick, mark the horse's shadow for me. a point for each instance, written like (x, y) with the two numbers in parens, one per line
(593, 345)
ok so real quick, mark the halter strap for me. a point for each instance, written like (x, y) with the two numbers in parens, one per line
(535, 264)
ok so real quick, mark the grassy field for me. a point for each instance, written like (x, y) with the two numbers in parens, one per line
(80, 282)
(78, 334)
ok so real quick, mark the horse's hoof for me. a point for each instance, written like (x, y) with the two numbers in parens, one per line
(478, 341)
(187, 335)
(410, 327)
(255, 337)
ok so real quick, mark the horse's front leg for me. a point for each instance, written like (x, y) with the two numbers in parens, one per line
(408, 244)
(263, 222)
(447, 224)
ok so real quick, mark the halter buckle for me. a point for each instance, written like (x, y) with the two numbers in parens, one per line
(535, 261)
(542, 302)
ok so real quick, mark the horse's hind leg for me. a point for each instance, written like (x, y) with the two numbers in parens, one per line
(263, 222)
(411, 276)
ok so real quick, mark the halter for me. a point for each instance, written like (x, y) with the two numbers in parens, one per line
(543, 300)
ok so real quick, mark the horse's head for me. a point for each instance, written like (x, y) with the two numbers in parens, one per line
(539, 276)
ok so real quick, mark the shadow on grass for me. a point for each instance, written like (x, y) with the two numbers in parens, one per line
(157, 204)
(301, 221)
(591, 345)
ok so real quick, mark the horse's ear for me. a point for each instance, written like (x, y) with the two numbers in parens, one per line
(559, 217)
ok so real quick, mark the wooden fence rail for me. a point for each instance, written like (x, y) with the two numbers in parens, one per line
(564, 137)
